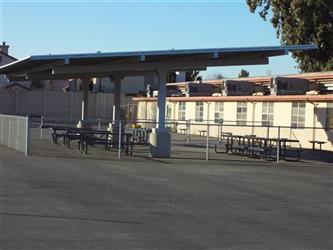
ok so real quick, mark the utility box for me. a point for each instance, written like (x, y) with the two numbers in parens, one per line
(238, 88)
(199, 89)
(289, 86)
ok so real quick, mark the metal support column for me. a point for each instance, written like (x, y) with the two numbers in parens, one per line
(117, 95)
(162, 93)
(85, 100)
(160, 139)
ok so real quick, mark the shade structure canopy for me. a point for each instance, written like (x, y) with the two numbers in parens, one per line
(116, 65)
(69, 66)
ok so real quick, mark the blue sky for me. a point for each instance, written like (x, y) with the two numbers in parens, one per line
(55, 26)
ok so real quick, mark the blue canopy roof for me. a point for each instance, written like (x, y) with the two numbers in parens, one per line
(63, 66)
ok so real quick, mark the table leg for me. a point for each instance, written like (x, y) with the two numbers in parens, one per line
(284, 150)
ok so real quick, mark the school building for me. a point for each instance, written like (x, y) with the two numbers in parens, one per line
(301, 105)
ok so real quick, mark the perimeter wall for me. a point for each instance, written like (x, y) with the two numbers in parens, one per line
(55, 104)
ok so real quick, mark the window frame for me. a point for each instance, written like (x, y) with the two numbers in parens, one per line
(297, 119)
(267, 110)
(182, 111)
(199, 111)
(218, 111)
(168, 112)
(241, 113)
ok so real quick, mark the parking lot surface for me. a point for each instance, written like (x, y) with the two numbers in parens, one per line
(142, 203)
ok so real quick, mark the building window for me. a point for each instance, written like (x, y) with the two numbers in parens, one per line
(241, 113)
(181, 111)
(168, 112)
(219, 108)
(153, 111)
(267, 114)
(329, 115)
(198, 111)
(298, 115)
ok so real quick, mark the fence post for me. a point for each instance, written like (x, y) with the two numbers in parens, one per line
(41, 127)
(187, 130)
(278, 146)
(1, 131)
(27, 129)
(17, 132)
(207, 143)
(119, 142)
(221, 129)
(9, 131)
(99, 123)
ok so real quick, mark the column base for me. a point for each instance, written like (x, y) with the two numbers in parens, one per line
(160, 143)
(83, 125)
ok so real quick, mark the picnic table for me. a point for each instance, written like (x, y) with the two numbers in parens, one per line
(88, 137)
(140, 136)
(106, 138)
(262, 147)
(282, 142)
(60, 131)
(314, 142)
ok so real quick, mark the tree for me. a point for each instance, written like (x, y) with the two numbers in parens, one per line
(302, 22)
(215, 76)
(218, 76)
(244, 73)
(192, 76)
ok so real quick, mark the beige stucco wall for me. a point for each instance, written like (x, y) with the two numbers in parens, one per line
(282, 117)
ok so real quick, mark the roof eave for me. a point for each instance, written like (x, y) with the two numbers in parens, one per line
(5, 68)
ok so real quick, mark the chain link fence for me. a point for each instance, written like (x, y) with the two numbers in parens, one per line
(14, 133)
(210, 139)
(205, 140)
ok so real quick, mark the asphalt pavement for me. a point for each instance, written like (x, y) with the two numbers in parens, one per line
(142, 203)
